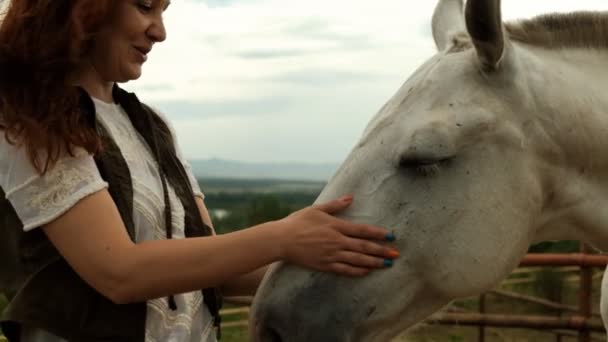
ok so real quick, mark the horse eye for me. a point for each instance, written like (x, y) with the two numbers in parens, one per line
(416, 162)
(422, 166)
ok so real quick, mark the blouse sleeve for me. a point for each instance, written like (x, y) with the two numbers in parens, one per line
(187, 167)
(38, 200)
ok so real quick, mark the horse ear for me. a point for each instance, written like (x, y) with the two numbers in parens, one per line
(448, 21)
(484, 24)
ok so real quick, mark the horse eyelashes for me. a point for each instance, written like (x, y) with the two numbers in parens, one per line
(427, 170)
(423, 167)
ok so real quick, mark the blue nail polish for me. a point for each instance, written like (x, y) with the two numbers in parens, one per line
(390, 237)
(388, 262)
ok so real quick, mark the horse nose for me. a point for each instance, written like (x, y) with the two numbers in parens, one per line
(269, 334)
(281, 313)
(277, 324)
(266, 324)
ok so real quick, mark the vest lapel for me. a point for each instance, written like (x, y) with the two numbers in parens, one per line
(112, 167)
(157, 135)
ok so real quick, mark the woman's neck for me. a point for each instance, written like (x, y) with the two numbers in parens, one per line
(89, 79)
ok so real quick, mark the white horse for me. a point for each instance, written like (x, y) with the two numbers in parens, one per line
(496, 142)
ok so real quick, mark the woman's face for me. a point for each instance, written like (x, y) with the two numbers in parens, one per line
(122, 47)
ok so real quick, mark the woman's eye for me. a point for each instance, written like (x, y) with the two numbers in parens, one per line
(144, 6)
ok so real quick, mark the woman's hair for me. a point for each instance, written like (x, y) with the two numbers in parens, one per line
(41, 43)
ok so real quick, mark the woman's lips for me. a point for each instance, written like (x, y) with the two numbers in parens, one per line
(142, 53)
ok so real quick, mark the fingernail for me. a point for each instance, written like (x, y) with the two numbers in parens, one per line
(390, 237)
(347, 198)
(393, 253)
(388, 262)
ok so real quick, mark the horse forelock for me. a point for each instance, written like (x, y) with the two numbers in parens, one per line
(563, 30)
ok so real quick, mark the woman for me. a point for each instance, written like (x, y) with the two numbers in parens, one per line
(110, 233)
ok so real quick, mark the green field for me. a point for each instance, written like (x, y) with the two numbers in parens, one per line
(255, 201)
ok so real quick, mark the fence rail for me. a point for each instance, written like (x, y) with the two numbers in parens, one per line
(575, 322)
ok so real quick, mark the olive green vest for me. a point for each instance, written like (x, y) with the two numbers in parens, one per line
(49, 294)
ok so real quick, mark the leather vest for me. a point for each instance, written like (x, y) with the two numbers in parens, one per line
(49, 294)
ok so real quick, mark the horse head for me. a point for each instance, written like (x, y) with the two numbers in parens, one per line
(456, 164)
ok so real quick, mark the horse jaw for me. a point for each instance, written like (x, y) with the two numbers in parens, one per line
(357, 320)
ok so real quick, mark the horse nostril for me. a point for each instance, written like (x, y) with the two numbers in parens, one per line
(267, 333)
(273, 336)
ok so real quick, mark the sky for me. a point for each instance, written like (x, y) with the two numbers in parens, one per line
(291, 80)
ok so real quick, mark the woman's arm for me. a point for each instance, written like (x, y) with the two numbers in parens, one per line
(92, 238)
(244, 285)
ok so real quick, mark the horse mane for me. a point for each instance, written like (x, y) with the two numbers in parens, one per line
(568, 30)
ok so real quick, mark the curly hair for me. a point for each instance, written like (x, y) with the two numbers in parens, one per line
(41, 43)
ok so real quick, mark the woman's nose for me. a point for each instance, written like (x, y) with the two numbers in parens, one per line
(156, 32)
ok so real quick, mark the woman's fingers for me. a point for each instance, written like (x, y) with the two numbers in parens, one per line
(326, 243)
(335, 206)
(370, 248)
(364, 231)
(362, 260)
(356, 264)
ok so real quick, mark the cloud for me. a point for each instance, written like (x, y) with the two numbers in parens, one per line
(191, 110)
(222, 3)
(272, 80)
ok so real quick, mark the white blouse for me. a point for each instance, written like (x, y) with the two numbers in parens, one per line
(39, 200)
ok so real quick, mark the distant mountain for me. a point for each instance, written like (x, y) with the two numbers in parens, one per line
(220, 168)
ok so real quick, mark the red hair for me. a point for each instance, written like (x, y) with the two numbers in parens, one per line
(41, 43)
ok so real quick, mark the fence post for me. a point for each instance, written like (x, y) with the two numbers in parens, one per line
(482, 310)
(585, 296)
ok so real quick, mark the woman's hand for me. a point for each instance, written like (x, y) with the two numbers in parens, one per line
(315, 239)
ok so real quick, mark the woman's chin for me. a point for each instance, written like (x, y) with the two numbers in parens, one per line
(130, 74)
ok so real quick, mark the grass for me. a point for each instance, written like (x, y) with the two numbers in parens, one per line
(466, 334)
(556, 286)
(433, 333)
(236, 334)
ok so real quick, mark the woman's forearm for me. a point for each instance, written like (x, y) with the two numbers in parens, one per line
(245, 285)
(161, 268)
